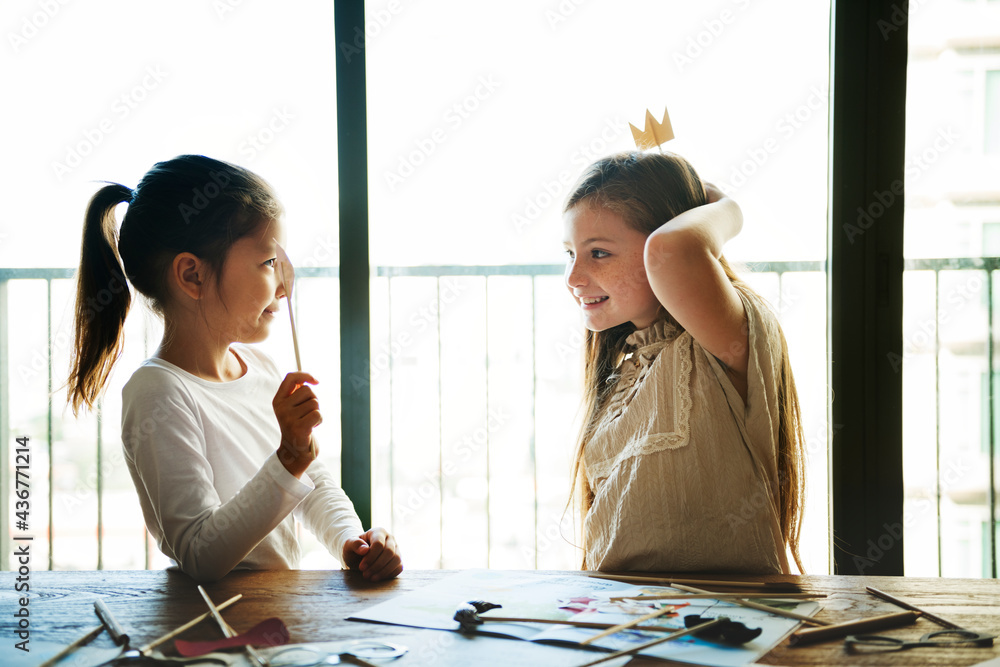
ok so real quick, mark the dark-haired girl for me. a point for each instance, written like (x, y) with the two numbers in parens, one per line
(219, 445)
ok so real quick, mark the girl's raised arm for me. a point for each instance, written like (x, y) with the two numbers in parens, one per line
(682, 264)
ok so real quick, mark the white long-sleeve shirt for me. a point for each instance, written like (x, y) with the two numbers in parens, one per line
(214, 495)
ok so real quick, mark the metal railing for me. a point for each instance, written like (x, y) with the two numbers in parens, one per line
(391, 273)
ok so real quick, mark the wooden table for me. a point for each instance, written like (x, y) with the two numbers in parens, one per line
(314, 605)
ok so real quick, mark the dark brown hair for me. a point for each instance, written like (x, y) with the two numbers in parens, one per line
(191, 203)
(647, 190)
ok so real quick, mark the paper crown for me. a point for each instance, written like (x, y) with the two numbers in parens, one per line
(656, 133)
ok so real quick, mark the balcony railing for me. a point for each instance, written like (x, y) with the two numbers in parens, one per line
(400, 470)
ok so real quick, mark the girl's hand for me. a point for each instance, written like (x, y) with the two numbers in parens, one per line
(713, 193)
(297, 409)
(375, 554)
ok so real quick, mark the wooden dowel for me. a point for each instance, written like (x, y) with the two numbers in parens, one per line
(93, 632)
(721, 596)
(576, 624)
(860, 626)
(227, 631)
(650, 644)
(906, 605)
(639, 579)
(630, 624)
(761, 607)
(187, 626)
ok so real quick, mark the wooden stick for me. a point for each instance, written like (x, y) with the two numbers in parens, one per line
(761, 607)
(287, 272)
(625, 626)
(576, 624)
(93, 632)
(227, 631)
(187, 626)
(860, 626)
(721, 596)
(906, 605)
(698, 582)
(650, 644)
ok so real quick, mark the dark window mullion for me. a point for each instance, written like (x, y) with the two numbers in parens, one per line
(866, 287)
(355, 330)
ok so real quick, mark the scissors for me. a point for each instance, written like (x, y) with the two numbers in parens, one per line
(357, 653)
(941, 638)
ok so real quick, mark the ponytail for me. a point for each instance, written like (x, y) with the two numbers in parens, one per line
(102, 299)
(190, 203)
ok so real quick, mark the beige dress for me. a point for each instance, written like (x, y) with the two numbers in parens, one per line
(684, 474)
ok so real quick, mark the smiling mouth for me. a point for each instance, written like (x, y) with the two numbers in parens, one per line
(590, 301)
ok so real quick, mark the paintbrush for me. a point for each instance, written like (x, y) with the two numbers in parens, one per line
(287, 274)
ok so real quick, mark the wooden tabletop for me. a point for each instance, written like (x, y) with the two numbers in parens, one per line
(314, 605)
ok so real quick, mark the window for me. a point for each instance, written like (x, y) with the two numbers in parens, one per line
(107, 90)
(951, 247)
(475, 345)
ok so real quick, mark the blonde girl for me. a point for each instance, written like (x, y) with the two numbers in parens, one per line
(690, 453)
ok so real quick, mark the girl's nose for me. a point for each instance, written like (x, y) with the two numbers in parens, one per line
(575, 276)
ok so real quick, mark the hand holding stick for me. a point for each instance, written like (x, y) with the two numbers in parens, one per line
(287, 274)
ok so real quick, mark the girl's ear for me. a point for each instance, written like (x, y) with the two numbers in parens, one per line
(188, 273)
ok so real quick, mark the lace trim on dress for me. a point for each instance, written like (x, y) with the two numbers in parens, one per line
(649, 343)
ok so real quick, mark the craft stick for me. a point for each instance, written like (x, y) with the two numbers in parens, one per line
(650, 644)
(93, 632)
(906, 605)
(860, 626)
(625, 626)
(697, 582)
(187, 626)
(287, 272)
(110, 622)
(721, 596)
(577, 624)
(761, 607)
(226, 630)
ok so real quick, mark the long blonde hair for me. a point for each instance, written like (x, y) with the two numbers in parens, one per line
(646, 190)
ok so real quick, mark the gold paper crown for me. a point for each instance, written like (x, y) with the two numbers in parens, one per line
(656, 133)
